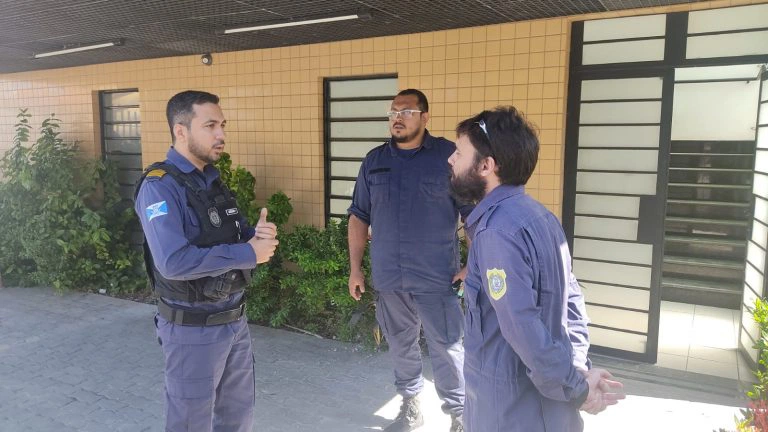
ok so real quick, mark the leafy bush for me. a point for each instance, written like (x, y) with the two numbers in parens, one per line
(264, 299)
(279, 209)
(242, 184)
(755, 416)
(316, 296)
(63, 221)
(305, 284)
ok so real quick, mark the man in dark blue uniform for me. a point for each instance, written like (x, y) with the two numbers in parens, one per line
(526, 368)
(199, 253)
(402, 193)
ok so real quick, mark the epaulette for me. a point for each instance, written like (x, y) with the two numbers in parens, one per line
(156, 174)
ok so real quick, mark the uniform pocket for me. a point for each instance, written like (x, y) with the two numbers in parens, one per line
(454, 318)
(435, 186)
(378, 185)
(474, 328)
(214, 288)
(201, 388)
(191, 223)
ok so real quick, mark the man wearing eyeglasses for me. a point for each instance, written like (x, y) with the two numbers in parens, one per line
(526, 344)
(402, 193)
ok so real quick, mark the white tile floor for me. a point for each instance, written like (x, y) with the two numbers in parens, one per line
(701, 339)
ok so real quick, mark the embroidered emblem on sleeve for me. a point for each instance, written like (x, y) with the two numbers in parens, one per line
(497, 283)
(157, 209)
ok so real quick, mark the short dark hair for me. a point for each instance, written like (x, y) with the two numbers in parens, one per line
(423, 103)
(510, 140)
(180, 107)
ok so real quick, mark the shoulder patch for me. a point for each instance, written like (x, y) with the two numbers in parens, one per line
(497, 283)
(157, 209)
(156, 173)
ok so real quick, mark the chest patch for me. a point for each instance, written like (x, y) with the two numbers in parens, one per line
(213, 215)
(497, 283)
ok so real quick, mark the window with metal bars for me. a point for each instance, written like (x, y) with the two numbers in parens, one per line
(355, 122)
(121, 136)
(121, 142)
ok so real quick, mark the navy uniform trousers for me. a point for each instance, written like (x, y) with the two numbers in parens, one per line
(207, 367)
(400, 316)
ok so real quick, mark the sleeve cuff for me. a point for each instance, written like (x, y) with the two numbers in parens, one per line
(250, 232)
(360, 215)
(582, 397)
(247, 254)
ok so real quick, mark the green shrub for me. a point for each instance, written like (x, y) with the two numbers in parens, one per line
(242, 184)
(63, 221)
(317, 295)
(305, 284)
(264, 297)
(755, 416)
(279, 209)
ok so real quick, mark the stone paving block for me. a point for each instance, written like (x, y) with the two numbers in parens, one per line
(93, 364)
(39, 423)
(109, 404)
(85, 396)
(73, 420)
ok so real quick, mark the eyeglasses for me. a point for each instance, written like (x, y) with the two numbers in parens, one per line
(481, 123)
(406, 114)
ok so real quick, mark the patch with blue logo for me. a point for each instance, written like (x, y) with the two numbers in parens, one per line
(497, 283)
(157, 209)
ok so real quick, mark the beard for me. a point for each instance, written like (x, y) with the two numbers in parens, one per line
(468, 187)
(200, 152)
(406, 137)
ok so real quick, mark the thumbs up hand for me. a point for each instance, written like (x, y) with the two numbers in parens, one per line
(264, 240)
(264, 229)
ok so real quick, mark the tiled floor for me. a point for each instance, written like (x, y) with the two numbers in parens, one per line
(701, 339)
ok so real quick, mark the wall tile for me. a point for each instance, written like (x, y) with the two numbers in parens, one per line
(273, 97)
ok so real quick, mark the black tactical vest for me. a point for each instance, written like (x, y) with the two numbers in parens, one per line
(218, 216)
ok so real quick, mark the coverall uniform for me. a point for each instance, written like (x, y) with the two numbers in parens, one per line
(526, 326)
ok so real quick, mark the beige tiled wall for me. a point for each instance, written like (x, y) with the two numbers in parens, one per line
(273, 97)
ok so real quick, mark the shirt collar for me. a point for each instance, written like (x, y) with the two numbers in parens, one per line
(498, 194)
(184, 165)
(427, 142)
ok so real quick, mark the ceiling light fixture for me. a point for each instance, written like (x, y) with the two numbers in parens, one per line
(274, 25)
(75, 49)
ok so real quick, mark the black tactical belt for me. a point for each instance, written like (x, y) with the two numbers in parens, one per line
(199, 319)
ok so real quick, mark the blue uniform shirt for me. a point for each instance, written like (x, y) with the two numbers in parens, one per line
(170, 225)
(525, 334)
(404, 196)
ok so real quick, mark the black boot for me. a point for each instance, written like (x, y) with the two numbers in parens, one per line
(409, 418)
(457, 423)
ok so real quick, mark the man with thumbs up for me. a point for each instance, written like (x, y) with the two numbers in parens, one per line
(199, 252)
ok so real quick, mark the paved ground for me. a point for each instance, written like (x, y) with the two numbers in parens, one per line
(83, 362)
